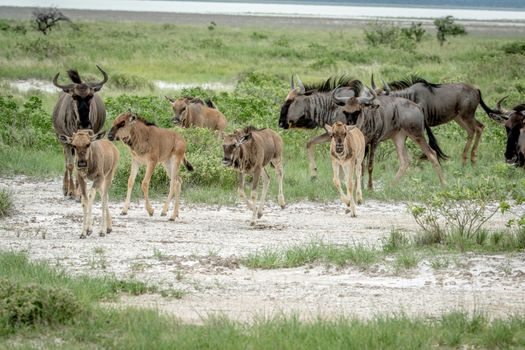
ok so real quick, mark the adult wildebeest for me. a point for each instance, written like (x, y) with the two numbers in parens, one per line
(97, 161)
(150, 145)
(194, 112)
(347, 151)
(513, 120)
(249, 151)
(78, 107)
(443, 103)
(389, 117)
(312, 106)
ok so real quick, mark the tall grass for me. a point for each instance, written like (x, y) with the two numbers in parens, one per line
(6, 203)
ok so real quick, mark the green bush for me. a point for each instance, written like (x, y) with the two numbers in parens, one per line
(30, 304)
(515, 47)
(25, 125)
(129, 82)
(446, 26)
(6, 204)
(382, 33)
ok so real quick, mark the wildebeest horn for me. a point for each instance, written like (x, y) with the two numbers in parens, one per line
(169, 99)
(98, 86)
(65, 88)
(368, 98)
(372, 82)
(499, 108)
(300, 85)
(386, 87)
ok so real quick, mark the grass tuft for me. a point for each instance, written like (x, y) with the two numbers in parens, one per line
(6, 203)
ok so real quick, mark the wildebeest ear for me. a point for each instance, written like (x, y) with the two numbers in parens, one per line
(328, 128)
(64, 139)
(244, 138)
(350, 127)
(170, 99)
(98, 136)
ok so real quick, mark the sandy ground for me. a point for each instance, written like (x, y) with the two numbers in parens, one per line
(200, 254)
(486, 28)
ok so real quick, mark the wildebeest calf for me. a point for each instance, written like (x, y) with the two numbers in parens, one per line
(96, 160)
(249, 151)
(150, 145)
(347, 151)
(194, 112)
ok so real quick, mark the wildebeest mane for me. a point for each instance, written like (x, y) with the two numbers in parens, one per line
(251, 128)
(330, 84)
(147, 123)
(209, 103)
(409, 81)
(519, 108)
(74, 76)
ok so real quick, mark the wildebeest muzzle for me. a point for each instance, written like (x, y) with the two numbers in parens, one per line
(81, 164)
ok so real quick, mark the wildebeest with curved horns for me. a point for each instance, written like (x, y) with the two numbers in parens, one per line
(513, 120)
(443, 103)
(389, 117)
(312, 106)
(78, 107)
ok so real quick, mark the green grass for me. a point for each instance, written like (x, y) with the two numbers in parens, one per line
(6, 203)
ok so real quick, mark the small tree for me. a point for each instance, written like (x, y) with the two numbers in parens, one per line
(46, 19)
(446, 26)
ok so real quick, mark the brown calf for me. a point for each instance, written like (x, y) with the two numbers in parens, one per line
(347, 151)
(194, 112)
(249, 151)
(96, 160)
(150, 145)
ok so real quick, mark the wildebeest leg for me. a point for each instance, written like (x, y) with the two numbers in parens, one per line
(478, 126)
(310, 151)
(371, 155)
(145, 185)
(105, 210)
(348, 169)
(470, 135)
(240, 191)
(253, 194)
(176, 184)
(131, 181)
(169, 171)
(91, 198)
(84, 200)
(431, 155)
(266, 183)
(278, 165)
(109, 224)
(399, 140)
(69, 183)
(359, 174)
(337, 182)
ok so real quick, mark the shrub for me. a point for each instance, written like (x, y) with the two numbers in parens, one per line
(31, 304)
(44, 48)
(515, 47)
(415, 32)
(6, 204)
(129, 82)
(445, 26)
(47, 19)
(386, 34)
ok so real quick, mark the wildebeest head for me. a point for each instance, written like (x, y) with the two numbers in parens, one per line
(81, 93)
(121, 127)
(513, 121)
(81, 141)
(231, 146)
(338, 133)
(354, 105)
(293, 111)
(179, 106)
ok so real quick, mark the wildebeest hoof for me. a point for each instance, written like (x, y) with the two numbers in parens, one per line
(123, 213)
(163, 214)
(313, 178)
(252, 223)
(150, 213)
(108, 230)
(259, 215)
(102, 234)
(359, 201)
(82, 236)
(89, 232)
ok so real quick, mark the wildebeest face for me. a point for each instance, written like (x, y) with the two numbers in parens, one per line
(513, 128)
(294, 114)
(81, 141)
(338, 133)
(121, 127)
(231, 145)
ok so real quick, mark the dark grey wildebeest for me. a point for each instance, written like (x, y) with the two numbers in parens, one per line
(513, 120)
(443, 103)
(312, 106)
(389, 117)
(78, 107)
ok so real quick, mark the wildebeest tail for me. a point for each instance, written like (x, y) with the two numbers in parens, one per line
(486, 108)
(432, 142)
(187, 164)
(210, 104)
(74, 76)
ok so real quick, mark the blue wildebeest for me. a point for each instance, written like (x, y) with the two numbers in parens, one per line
(312, 106)
(513, 120)
(78, 107)
(389, 117)
(443, 103)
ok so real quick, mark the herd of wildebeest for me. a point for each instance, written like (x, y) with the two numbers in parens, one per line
(356, 118)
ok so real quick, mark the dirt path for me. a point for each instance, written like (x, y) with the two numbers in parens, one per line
(200, 253)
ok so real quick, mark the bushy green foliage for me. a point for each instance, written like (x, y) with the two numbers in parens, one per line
(29, 304)
(125, 81)
(386, 34)
(515, 47)
(446, 26)
(6, 203)
(25, 124)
